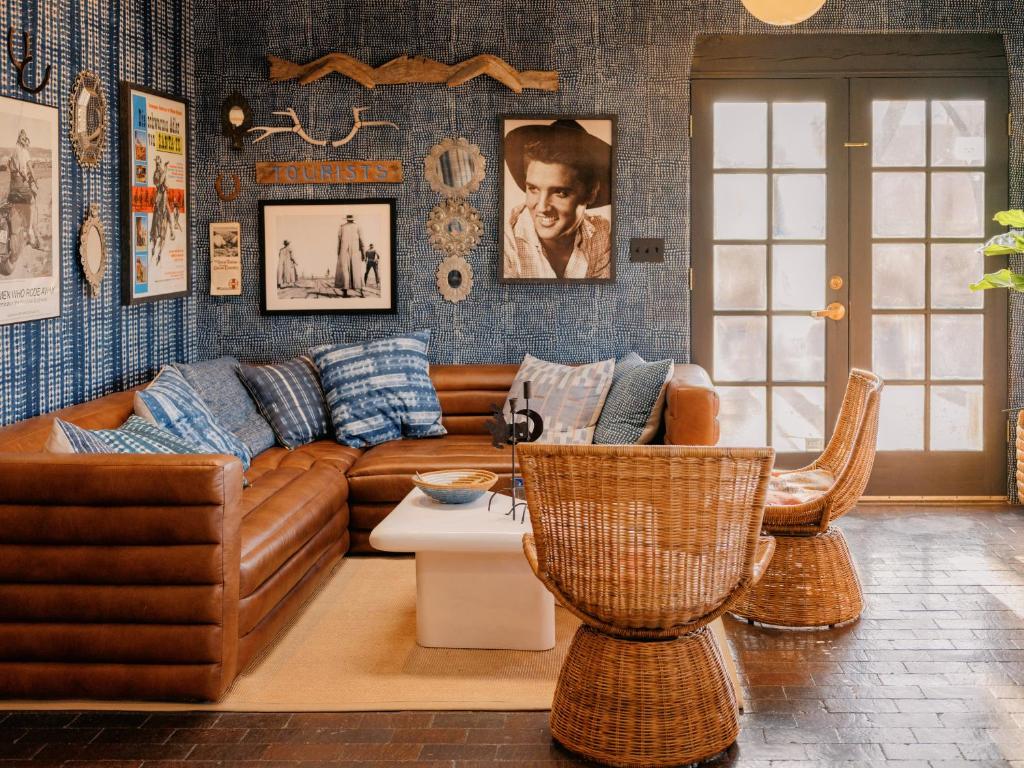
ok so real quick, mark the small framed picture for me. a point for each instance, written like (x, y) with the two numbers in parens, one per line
(558, 199)
(328, 256)
(225, 258)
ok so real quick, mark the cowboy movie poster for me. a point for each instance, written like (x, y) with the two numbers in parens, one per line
(154, 144)
(29, 212)
(558, 199)
(334, 256)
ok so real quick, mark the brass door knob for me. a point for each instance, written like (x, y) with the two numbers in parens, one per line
(834, 311)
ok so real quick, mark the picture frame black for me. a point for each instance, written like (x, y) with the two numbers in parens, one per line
(318, 247)
(509, 182)
(169, 127)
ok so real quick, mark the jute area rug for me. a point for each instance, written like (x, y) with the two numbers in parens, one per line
(353, 648)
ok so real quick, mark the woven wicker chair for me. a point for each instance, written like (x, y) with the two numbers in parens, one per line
(812, 581)
(647, 545)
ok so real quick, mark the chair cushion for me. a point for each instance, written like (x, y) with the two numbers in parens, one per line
(170, 402)
(632, 411)
(384, 473)
(568, 398)
(791, 488)
(217, 384)
(289, 396)
(136, 435)
(380, 390)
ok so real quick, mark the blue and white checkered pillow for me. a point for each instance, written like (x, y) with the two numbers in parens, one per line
(170, 402)
(380, 390)
(290, 398)
(632, 411)
(134, 436)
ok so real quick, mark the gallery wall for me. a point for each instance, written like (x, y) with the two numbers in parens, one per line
(95, 346)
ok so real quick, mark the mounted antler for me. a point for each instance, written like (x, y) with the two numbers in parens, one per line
(26, 59)
(295, 127)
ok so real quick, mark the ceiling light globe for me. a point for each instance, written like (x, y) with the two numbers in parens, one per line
(783, 13)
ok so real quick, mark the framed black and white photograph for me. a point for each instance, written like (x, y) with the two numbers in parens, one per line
(558, 199)
(29, 212)
(328, 256)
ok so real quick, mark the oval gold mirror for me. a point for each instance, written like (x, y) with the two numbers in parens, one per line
(88, 118)
(92, 249)
(454, 167)
(454, 227)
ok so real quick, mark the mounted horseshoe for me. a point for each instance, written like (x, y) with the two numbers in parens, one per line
(218, 185)
(27, 58)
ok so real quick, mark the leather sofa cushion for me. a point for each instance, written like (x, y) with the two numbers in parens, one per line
(341, 457)
(384, 473)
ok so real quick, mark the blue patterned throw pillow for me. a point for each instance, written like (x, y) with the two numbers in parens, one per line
(632, 411)
(170, 402)
(134, 436)
(290, 398)
(380, 390)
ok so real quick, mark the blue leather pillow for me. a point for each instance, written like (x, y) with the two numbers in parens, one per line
(380, 390)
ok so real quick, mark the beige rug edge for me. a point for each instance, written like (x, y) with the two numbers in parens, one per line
(352, 648)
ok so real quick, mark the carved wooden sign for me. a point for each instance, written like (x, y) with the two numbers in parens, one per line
(330, 172)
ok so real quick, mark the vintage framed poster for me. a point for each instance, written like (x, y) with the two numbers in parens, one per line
(29, 212)
(156, 260)
(225, 258)
(328, 256)
(558, 199)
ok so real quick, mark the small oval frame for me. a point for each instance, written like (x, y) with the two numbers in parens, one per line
(92, 223)
(88, 149)
(454, 294)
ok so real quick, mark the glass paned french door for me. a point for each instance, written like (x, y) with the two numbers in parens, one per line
(835, 222)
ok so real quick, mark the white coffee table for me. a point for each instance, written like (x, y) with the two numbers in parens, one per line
(474, 587)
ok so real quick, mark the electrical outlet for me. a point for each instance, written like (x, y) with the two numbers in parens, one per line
(647, 249)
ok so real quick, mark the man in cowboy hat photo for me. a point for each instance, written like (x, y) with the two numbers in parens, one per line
(564, 171)
(349, 273)
(24, 188)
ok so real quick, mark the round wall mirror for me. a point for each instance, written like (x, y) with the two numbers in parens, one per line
(454, 167)
(88, 119)
(454, 227)
(92, 249)
(454, 279)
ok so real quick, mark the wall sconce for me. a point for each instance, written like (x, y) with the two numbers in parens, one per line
(783, 13)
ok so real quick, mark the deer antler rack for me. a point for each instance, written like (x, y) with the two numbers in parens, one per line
(26, 59)
(415, 69)
(295, 127)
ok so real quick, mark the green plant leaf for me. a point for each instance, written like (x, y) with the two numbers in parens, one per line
(1005, 244)
(1012, 218)
(1004, 278)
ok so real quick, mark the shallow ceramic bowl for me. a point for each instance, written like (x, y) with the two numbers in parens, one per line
(455, 486)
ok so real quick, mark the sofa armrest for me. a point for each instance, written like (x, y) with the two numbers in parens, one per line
(118, 575)
(691, 407)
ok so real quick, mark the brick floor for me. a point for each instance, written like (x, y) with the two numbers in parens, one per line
(932, 676)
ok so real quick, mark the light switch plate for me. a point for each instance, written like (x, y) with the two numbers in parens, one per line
(648, 249)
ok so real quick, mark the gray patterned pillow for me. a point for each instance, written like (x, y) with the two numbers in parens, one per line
(568, 398)
(632, 412)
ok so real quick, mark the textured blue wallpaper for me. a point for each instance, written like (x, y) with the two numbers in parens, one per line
(96, 346)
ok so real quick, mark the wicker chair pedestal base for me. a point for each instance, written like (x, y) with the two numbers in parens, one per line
(644, 703)
(810, 582)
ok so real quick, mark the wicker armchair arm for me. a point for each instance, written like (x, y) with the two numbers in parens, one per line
(762, 556)
(530, 550)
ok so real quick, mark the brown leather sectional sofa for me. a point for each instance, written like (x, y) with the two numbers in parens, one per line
(159, 577)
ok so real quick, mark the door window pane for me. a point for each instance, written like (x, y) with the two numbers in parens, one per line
(741, 206)
(898, 133)
(958, 346)
(958, 204)
(901, 419)
(798, 418)
(958, 133)
(798, 348)
(897, 204)
(740, 348)
(897, 343)
(798, 277)
(798, 135)
(956, 418)
(954, 267)
(741, 135)
(742, 416)
(897, 276)
(740, 277)
(799, 206)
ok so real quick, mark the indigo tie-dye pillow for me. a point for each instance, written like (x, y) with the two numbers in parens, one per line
(380, 390)
(134, 436)
(289, 396)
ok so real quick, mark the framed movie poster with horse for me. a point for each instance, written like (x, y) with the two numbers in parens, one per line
(156, 260)
(29, 212)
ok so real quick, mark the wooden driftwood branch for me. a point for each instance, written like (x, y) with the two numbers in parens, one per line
(415, 69)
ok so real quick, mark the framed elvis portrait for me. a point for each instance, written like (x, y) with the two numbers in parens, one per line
(558, 199)
(328, 256)
(156, 259)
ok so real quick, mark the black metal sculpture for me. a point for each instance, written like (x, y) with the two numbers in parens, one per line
(512, 433)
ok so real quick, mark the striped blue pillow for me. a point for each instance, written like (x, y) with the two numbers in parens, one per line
(170, 402)
(380, 390)
(134, 436)
(289, 397)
